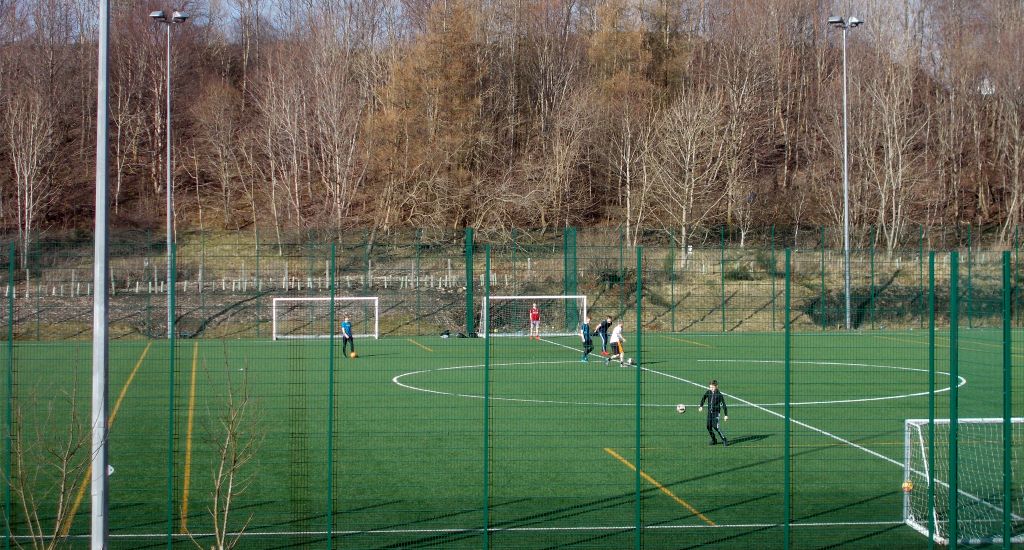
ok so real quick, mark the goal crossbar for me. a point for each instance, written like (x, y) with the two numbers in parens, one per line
(309, 317)
(561, 320)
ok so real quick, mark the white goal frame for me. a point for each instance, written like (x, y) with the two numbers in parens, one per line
(485, 312)
(283, 301)
(920, 524)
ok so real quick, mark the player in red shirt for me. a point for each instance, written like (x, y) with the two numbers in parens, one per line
(535, 322)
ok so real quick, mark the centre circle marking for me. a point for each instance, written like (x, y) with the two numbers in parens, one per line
(398, 381)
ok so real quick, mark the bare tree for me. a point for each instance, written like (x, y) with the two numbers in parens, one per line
(50, 457)
(236, 438)
(29, 132)
(688, 159)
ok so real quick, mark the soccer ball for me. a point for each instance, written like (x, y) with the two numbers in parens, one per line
(680, 408)
(908, 486)
(629, 361)
(353, 355)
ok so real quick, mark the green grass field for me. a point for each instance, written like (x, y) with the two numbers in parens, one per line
(416, 444)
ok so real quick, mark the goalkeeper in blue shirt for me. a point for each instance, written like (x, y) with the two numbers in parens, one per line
(346, 336)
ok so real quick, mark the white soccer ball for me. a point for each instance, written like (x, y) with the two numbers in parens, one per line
(680, 408)
(629, 361)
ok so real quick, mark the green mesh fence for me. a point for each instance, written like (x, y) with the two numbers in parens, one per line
(257, 425)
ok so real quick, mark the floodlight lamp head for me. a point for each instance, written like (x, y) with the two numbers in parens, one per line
(179, 17)
(836, 21)
(158, 16)
(854, 22)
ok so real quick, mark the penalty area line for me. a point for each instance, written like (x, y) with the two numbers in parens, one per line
(420, 345)
(685, 341)
(660, 487)
(187, 481)
(66, 528)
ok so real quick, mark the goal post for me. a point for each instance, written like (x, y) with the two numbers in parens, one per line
(560, 315)
(980, 494)
(310, 317)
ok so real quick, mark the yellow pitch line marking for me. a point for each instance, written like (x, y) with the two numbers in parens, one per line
(660, 487)
(965, 348)
(685, 341)
(918, 342)
(419, 344)
(110, 422)
(188, 440)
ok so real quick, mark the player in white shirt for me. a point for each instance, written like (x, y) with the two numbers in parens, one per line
(616, 340)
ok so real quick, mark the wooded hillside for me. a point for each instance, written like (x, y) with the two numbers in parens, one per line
(534, 113)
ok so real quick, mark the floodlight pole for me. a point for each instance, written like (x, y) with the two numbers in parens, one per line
(845, 25)
(176, 17)
(170, 190)
(100, 351)
(846, 188)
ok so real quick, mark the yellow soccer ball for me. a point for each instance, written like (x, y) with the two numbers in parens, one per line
(908, 486)
(353, 355)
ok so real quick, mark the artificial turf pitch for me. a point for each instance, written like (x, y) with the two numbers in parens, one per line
(428, 446)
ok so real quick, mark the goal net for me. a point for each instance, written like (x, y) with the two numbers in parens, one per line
(311, 317)
(980, 501)
(510, 315)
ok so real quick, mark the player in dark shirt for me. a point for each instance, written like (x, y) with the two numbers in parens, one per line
(602, 331)
(716, 406)
(588, 343)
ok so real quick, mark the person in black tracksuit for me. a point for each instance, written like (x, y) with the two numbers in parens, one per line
(716, 405)
(602, 331)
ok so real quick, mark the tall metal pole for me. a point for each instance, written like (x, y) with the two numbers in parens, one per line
(846, 191)
(170, 194)
(99, 298)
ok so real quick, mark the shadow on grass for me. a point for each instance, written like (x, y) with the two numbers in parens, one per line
(747, 439)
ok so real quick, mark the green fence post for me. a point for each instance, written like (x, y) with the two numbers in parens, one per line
(259, 285)
(330, 401)
(1016, 269)
(367, 286)
(9, 401)
(771, 276)
(787, 455)
(871, 297)
(570, 284)
(171, 337)
(824, 296)
(970, 278)
(622, 274)
(416, 281)
(469, 281)
(1007, 408)
(954, 377)
(39, 276)
(931, 399)
(487, 408)
(672, 280)
(637, 487)
(515, 285)
(149, 314)
(721, 269)
(920, 273)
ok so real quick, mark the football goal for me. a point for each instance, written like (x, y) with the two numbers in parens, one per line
(311, 317)
(510, 315)
(980, 501)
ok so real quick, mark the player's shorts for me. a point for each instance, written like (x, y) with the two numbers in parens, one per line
(535, 324)
(617, 348)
